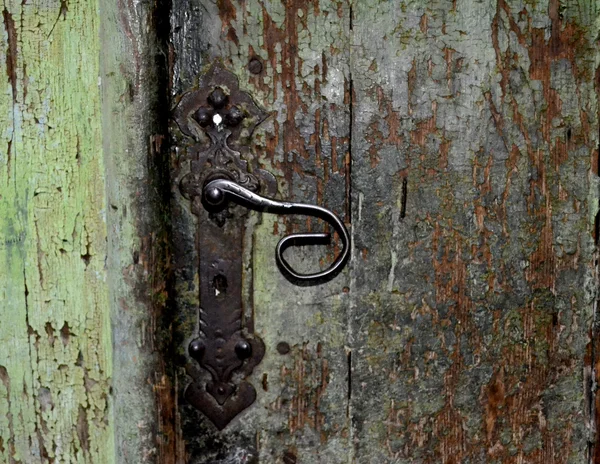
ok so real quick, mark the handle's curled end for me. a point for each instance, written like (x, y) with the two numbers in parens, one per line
(217, 193)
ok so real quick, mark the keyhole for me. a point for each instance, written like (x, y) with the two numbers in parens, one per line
(217, 119)
(219, 284)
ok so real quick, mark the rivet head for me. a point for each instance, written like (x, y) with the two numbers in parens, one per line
(204, 116)
(218, 98)
(255, 66)
(283, 348)
(196, 349)
(243, 349)
(234, 116)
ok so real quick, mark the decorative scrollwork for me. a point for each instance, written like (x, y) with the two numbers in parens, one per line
(220, 120)
(226, 115)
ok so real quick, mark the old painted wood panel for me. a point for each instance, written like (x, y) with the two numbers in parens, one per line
(75, 166)
(55, 360)
(134, 121)
(459, 140)
(473, 305)
(302, 407)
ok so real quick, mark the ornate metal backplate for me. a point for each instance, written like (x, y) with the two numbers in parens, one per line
(219, 120)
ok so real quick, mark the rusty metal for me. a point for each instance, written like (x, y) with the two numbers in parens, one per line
(227, 116)
(255, 66)
(221, 119)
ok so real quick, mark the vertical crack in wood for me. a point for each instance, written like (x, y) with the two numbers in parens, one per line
(403, 200)
(353, 448)
(592, 395)
(349, 367)
(351, 18)
(590, 375)
(167, 434)
(348, 162)
(11, 51)
(591, 366)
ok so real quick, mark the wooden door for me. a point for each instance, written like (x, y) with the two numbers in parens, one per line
(458, 141)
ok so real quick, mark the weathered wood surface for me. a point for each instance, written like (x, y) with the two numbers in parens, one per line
(458, 139)
(467, 313)
(55, 360)
(472, 315)
(134, 93)
(302, 405)
(73, 169)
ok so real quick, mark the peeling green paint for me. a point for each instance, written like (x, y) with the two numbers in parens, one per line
(56, 361)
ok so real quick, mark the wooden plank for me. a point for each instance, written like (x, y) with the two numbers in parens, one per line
(56, 364)
(475, 191)
(134, 105)
(300, 414)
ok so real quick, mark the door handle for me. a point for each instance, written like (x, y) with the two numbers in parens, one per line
(217, 193)
(217, 177)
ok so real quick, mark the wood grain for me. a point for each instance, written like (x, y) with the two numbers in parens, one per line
(56, 360)
(473, 314)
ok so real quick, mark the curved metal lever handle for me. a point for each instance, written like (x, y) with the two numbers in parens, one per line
(218, 192)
